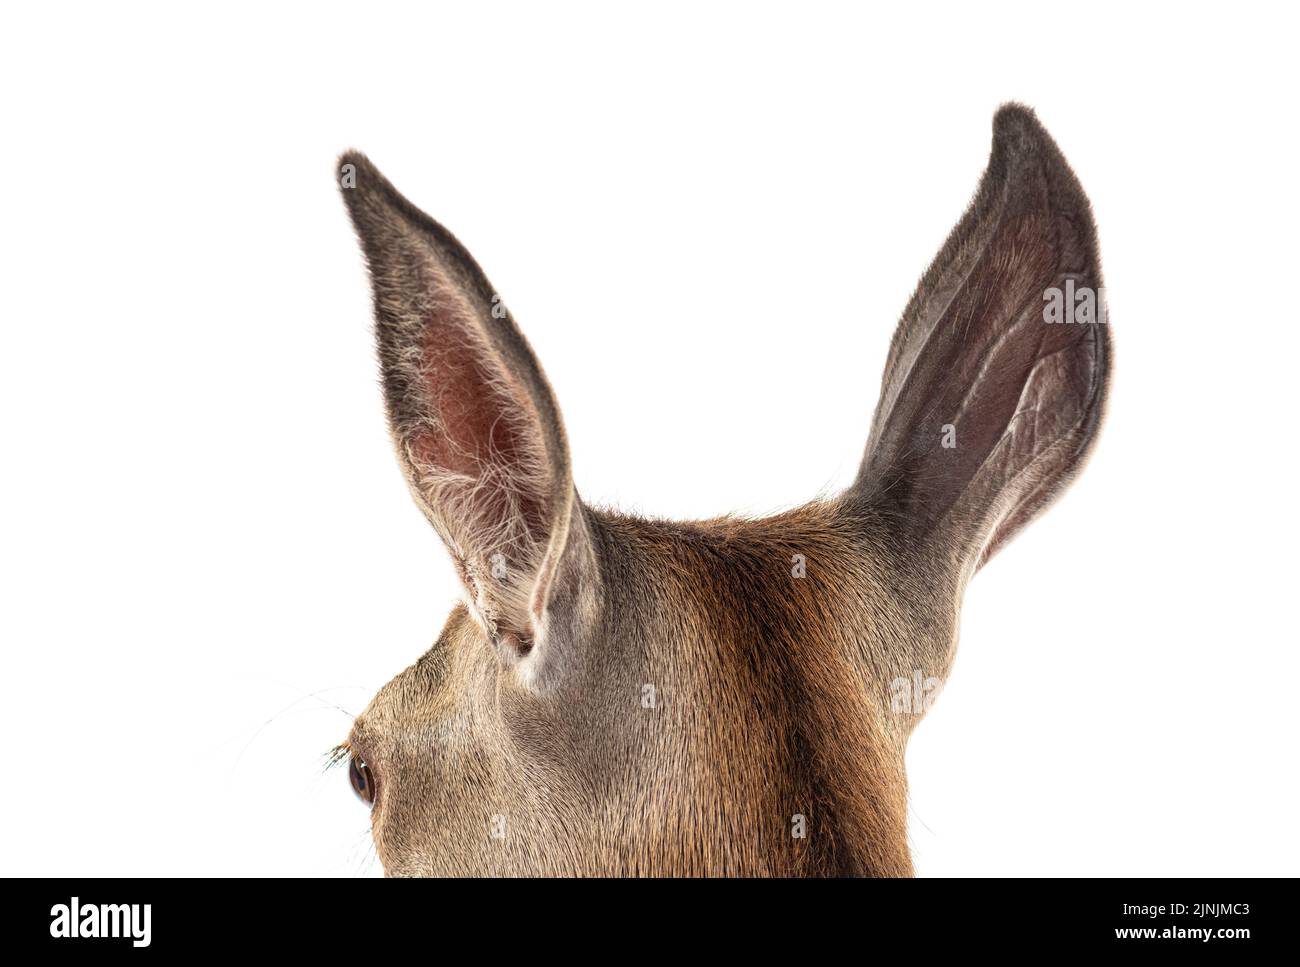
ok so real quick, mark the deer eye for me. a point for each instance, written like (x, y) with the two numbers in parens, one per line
(363, 782)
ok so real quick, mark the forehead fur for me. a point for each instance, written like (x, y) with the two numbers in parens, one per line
(759, 641)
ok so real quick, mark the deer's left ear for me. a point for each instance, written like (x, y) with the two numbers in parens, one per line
(996, 379)
(475, 423)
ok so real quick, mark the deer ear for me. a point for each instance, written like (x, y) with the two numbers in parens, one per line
(476, 426)
(997, 375)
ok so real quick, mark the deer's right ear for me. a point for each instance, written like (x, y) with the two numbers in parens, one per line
(475, 423)
(997, 374)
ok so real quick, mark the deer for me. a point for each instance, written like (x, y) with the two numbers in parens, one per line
(619, 696)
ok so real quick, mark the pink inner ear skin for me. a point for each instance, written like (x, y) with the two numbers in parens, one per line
(483, 427)
(470, 427)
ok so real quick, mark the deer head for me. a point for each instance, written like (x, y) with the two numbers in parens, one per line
(626, 696)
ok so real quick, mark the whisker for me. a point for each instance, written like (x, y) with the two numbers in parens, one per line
(291, 707)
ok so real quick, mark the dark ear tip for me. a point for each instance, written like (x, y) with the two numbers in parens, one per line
(353, 161)
(358, 179)
(1024, 150)
(1016, 128)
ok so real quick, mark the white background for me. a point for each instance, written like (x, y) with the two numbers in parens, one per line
(707, 219)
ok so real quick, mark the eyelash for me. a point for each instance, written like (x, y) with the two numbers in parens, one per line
(337, 756)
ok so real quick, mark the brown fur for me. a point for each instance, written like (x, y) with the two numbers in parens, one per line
(522, 742)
